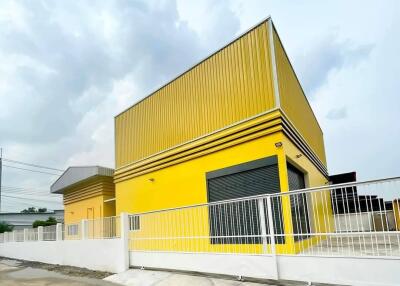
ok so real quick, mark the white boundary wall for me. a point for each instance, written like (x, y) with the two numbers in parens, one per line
(95, 254)
(110, 255)
(360, 271)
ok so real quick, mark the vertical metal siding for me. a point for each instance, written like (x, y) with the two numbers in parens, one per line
(231, 85)
(294, 102)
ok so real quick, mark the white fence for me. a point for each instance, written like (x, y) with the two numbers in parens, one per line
(332, 234)
(320, 221)
(338, 222)
(102, 228)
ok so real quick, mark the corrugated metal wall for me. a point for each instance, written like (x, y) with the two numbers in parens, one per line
(97, 187)
(231, 85)
(294, 102)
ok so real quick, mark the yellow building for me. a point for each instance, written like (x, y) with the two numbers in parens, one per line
(88, 193)
(238, 116)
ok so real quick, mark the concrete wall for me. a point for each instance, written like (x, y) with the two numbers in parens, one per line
(95, 254)
(337, 270)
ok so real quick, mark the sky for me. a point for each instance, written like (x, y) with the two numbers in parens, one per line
(68, 67)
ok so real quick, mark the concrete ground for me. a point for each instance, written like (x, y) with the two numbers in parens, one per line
(13, 273)
(137, 277)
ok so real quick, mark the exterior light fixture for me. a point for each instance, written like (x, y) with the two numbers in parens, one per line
(299, 155)
(278, 144)
(151, 180)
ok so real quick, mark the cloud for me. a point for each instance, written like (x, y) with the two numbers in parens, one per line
(328, 55)
(67, 67)
(337, 113)
(214, 21)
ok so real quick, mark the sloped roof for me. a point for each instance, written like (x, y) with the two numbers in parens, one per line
(74, 175)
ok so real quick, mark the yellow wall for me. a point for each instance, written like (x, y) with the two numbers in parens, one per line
(294, 102)
(85, 209)
(231, 85)
(86, 200)
(185, 184)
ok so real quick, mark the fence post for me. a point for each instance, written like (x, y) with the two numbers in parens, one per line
(84, 230)
(261, 211)
(270, 216)
(25, 234)
(40, 233)
(125, 239)
(59, 231)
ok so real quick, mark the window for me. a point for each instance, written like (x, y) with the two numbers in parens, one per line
(239, 222)
(298, 203)
(134, 222)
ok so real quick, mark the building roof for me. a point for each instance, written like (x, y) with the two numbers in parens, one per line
(74, 175)
(24, 220)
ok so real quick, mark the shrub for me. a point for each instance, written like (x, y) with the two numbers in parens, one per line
(49, 221)
(4, 227)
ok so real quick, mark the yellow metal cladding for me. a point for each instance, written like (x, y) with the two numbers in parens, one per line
(95, 187)
(86, 200)
(233, 84)
(294, 102)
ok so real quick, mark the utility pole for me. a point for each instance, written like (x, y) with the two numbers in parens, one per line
(1, 170)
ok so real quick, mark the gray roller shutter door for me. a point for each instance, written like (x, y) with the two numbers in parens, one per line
(239, 219)
(298, 203)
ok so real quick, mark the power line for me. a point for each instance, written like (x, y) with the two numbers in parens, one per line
(31, 199)
(30, 170)
(17, 204)
(30, 203)
(32, 165)
(27, 191)
(31, 194)
(25, 188)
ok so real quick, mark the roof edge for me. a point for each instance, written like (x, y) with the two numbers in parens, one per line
(97, 173)
(264, 20)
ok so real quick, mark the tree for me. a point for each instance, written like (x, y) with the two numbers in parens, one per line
(4, 227)
(29, 210)
(32, 210)
(49, 221)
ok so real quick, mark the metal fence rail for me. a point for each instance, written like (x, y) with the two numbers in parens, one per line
(50, 232)
(107, 227)
(71, 231)
(337, 220)
(31, 234)
(18, 235)
(102, 228)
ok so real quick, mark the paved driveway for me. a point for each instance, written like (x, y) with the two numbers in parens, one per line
(14, 273)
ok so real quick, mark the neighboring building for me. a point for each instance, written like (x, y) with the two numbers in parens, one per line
(236, 124)
(25, 220)
(88, 192)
